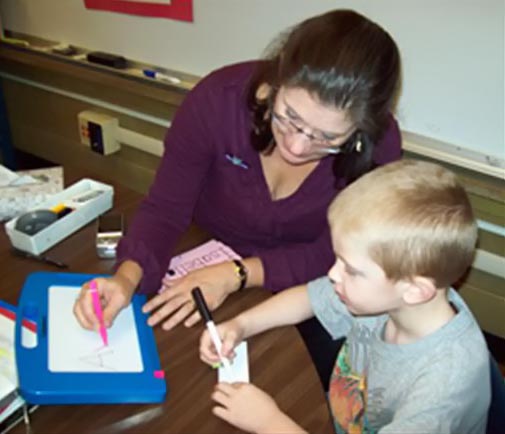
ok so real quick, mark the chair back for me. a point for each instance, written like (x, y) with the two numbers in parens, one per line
(496, 413)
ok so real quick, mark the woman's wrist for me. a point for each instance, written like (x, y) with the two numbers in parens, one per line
(130, 273)
(255, 272)
(241, 274)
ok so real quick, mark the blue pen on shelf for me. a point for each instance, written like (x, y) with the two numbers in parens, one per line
(160, 76)
(236, 161)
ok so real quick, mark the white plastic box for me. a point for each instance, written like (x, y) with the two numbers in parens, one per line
(87, 197)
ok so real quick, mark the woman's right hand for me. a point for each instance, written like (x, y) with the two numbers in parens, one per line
(115, 294)
(231, 333)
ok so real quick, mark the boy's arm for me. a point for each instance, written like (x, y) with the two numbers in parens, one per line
(288, 307)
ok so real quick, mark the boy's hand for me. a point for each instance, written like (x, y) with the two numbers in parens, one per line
(250, 409)
(231, 334)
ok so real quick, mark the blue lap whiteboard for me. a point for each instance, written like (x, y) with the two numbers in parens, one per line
(70, 365)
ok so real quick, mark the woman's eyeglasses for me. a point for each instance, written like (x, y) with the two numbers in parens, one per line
(320, 144)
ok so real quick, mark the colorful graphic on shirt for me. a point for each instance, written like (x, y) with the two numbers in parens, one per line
(348, 397)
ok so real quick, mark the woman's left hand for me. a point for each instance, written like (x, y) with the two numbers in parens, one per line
(175, 303)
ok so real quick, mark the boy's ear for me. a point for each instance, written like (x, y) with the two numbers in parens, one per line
(418, 290)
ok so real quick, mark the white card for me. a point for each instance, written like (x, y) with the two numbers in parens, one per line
(239, 367)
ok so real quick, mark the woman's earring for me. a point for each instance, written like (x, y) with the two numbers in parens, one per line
(263, 92)
(359, 145)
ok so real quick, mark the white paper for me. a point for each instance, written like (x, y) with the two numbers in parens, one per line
(74, 349)
(12, 179)
(8, 376)
(27, 190)
(8, 372)
(239, 367)
(6, 176)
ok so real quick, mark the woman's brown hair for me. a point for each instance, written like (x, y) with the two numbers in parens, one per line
(346, 61)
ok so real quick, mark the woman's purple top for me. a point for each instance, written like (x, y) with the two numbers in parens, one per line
(197, 180)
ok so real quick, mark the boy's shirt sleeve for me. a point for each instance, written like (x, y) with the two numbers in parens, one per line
(328, 308)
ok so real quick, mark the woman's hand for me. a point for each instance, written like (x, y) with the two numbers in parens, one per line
(250, 409)
(231, 334)
(115, 294)
(174, 303)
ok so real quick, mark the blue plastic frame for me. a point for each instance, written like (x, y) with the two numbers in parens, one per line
(40, 386)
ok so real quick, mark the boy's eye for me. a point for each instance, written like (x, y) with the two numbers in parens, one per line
(350, 271)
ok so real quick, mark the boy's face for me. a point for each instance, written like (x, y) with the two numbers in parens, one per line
(361, 283)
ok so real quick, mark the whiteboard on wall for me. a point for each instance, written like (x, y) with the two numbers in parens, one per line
(452, 50)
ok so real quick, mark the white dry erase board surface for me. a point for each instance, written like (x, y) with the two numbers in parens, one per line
(74, 349)
(452, 50)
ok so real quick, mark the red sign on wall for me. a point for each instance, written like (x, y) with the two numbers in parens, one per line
(175, 9)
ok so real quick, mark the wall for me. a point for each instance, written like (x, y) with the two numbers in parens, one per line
(453, 51)
(61, 89)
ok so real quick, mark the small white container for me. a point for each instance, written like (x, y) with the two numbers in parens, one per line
(87, 198)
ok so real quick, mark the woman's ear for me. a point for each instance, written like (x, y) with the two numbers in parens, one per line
(418, 290)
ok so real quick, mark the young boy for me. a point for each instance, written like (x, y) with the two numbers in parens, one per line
(415, 360)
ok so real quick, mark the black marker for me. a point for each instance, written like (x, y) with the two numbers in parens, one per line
(211, 327)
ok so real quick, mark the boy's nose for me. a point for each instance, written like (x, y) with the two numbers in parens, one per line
(334, 274)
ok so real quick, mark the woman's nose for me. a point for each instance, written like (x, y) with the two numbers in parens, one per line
(298, 144)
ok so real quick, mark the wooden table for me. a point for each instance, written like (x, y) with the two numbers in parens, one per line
(279, 361)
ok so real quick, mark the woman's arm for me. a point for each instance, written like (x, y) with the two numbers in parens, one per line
(168, 208)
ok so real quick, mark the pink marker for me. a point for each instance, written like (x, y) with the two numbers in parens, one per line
(95, 297)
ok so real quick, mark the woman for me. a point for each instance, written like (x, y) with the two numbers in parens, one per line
(254, 155)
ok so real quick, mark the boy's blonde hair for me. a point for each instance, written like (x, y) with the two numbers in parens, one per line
(413, 216)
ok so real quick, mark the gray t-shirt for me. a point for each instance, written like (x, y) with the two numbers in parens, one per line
(439, 384)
